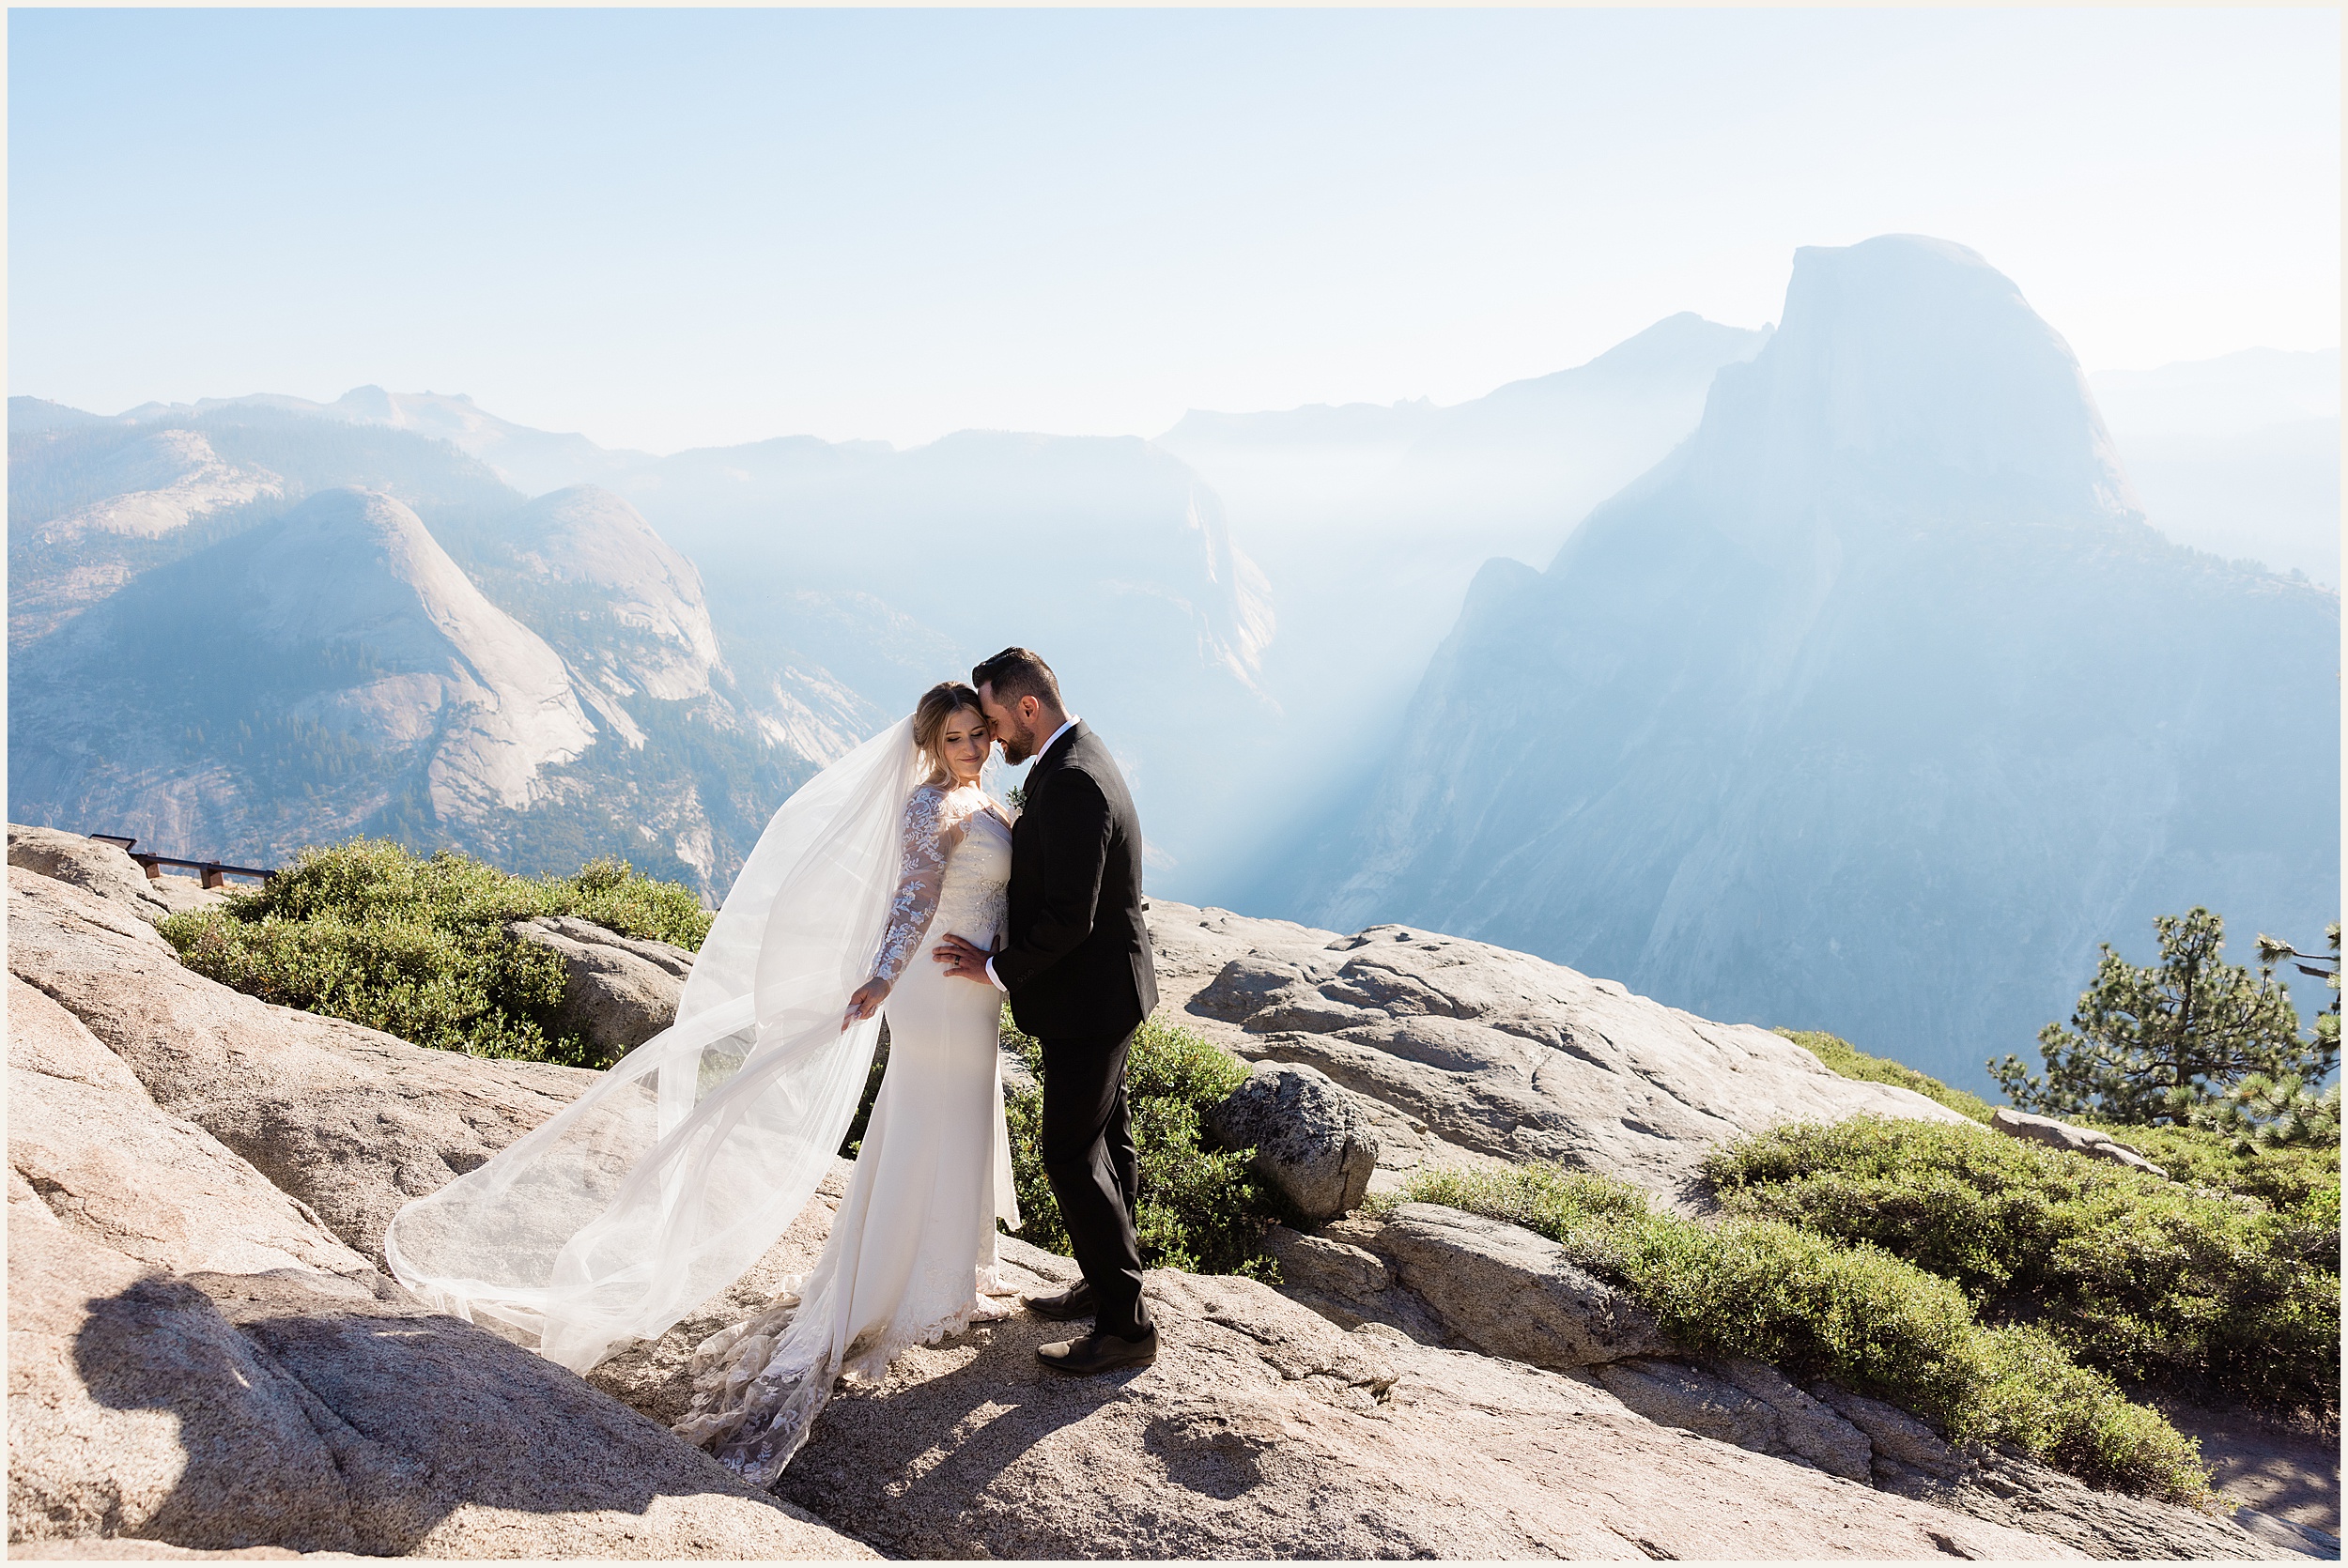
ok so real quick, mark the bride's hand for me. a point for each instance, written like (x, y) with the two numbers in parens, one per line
(865, 1003)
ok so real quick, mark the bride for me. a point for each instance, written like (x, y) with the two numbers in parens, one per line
(682, 1165)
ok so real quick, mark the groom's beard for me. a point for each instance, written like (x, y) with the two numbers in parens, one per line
(1018, 747)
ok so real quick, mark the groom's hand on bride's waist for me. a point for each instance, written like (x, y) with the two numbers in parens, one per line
(966, 961)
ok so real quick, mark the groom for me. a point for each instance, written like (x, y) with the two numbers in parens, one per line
(1076, 966)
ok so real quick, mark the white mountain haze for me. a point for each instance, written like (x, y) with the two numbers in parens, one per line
(1873, 703)
(1873, 708)
(2238, 455)
(1371, 521)
(530, 460)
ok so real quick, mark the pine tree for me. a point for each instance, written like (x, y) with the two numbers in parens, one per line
(2158, 1043)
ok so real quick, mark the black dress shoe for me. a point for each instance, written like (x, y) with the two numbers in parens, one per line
(1097, 1353)
(1066, 1307)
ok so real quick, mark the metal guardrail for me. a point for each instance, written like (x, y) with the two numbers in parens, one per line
(214, 873)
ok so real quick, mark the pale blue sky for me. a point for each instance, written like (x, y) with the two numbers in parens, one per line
(671, 228)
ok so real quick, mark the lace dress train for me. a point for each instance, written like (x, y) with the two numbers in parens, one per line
(911, 1257)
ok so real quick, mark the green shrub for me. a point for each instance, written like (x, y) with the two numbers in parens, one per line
(416, 946)
(2149, 1280)
(1853, 1312)
(1847, 1060)
(2293, 1179)
(1201, 1209)
(366, 878)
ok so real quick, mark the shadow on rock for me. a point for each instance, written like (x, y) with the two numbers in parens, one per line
(320, 1418)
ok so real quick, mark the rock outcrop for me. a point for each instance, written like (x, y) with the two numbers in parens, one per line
(203, 1359)
(1504, 1290)
(348, 1120)
(200, 1359)
(618, 991)
(1265, 1431)
(219, 1411)
(1468, 1053)
(1310, 1139)
(87, 1142)
(2003, 1488)
(2089, 1141)
(80, 861)
(1441, 1278)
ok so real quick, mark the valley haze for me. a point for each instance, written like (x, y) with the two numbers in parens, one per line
(1860, 672)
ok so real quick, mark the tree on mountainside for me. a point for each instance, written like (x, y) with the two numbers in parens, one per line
(2180, 1042)
(2288, 1110)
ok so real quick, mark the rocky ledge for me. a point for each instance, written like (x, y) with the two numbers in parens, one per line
(1467, 1054)
(206, 1356)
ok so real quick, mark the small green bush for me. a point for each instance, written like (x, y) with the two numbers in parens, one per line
(1847, 1060)
(2293, 1179)
(1201, 1209)
(416, 946)
(1822, 1308)
(2148, 1280)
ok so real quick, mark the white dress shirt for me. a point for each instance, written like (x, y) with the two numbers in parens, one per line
(1047, 746)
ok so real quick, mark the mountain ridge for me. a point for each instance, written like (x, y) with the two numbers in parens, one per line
(1847, 712)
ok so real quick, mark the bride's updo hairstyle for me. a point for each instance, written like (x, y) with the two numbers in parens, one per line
(938, 704)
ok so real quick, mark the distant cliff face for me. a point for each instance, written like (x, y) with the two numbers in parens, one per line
(1873, 708)
(335, 655)
(622, 602)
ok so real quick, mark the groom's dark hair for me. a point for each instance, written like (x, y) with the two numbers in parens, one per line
(1017, 672)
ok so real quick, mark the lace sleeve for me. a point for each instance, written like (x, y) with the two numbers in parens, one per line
(928, 837)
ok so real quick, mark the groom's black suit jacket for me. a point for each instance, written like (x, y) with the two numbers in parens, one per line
(1076, 963)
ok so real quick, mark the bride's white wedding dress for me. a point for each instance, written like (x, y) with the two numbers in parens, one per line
(682, 1164)
(911, 1257)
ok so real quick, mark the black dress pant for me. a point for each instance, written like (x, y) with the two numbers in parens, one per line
(1095, 1172)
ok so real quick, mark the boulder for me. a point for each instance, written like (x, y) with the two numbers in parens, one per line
(2064, 1135)
(225, 1411)
(348, 1120)
(618, 991)
(80, 861)
(1469, 1053)
(1506, 1290)
(1309, 1140)
(85, 1137)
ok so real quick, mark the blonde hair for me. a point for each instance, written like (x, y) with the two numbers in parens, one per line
(939, 703)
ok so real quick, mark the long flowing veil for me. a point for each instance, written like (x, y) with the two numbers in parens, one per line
(670, 1177)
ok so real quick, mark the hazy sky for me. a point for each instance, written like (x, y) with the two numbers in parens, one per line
(672, 228)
